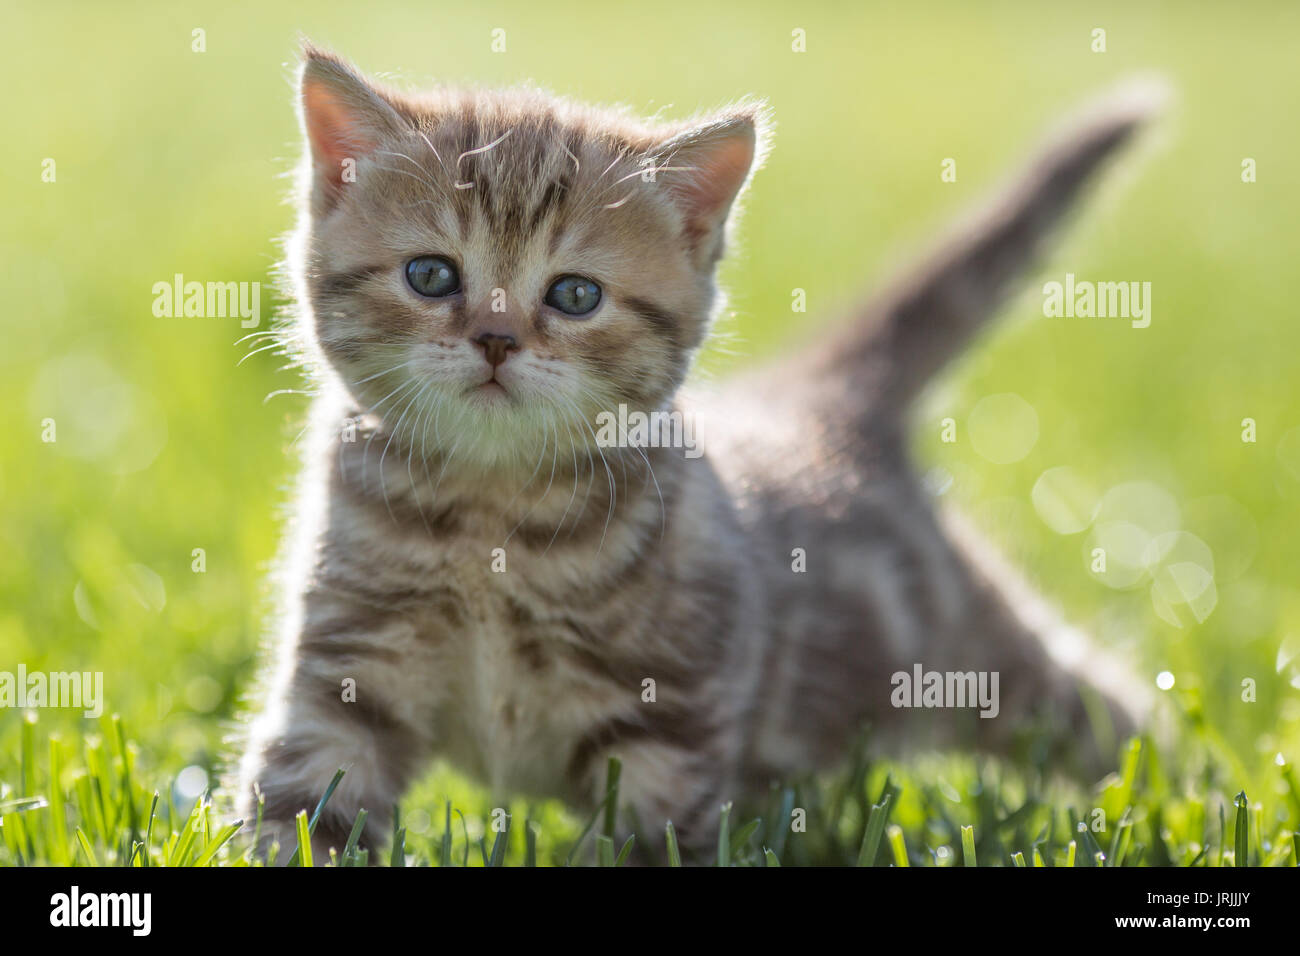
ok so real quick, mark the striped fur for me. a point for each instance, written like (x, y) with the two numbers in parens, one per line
(622, 565)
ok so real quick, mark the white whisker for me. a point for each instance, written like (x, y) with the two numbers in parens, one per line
(437, 155)
(401, 172)
(547, 490)
(428, 182)
(264, 348)
(287, 391)
(393, 434)
(482, 149)
(365, 455)
(573, 496)
(577, 166)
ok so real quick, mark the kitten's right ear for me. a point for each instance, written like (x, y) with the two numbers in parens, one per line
(344, 118)
(706, 167)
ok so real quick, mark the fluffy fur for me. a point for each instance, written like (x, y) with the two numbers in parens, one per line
(497, 588)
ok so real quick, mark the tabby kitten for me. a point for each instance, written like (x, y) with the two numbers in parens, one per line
(472, 575)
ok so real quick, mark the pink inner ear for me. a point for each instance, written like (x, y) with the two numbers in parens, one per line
(718, 171)
(333, 128)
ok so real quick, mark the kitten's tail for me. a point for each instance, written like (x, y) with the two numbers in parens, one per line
(914, 328)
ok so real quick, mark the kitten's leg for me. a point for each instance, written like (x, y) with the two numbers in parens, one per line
(1055, 686)
(900, 592)
(666, 778)
(354, 693)
(661, 783)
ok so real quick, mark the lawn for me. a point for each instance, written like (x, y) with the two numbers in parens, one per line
(135, 543)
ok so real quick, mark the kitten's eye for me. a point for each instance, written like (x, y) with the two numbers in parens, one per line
(433, 276)
(573, 295)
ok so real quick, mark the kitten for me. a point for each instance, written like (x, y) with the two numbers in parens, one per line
(472, 575)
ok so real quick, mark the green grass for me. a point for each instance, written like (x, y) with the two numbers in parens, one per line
(88, 806)
(170, 161)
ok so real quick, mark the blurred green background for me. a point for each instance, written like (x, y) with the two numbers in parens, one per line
(171, 161)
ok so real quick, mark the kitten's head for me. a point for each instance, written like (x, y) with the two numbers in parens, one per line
(491, 269)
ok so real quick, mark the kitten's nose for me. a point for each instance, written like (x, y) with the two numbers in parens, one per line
(496, 347)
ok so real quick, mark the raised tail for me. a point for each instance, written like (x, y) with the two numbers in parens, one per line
(911, 331)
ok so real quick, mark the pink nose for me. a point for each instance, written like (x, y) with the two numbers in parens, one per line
(496, 348)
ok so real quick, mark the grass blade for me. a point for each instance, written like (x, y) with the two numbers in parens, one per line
(223, 837)
(612, 776)
(28, 772)
(185, 839)
(464, 829)
(604, 850)
(315, 816)
(744, 833)
(85, 847)
(968, 846)
(22, 805)
(624, 853)
(499, 844)
(875, 830)
(446, 837)
(897, 845)
(303, 852)
(148, 833)
(724, 836)
(1242, 841)
(398, 855)
(58, 830)
(1092, 849)
(781, 824)
(354, 837)
(611, 797)
(674, 854)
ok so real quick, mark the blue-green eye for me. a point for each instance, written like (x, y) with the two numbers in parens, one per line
(433, 276)
(573, 295)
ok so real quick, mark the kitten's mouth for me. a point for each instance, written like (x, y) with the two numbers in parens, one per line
(491, 390)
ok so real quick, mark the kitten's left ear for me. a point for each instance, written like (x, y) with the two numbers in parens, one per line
(344, 118)
(705, 168)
